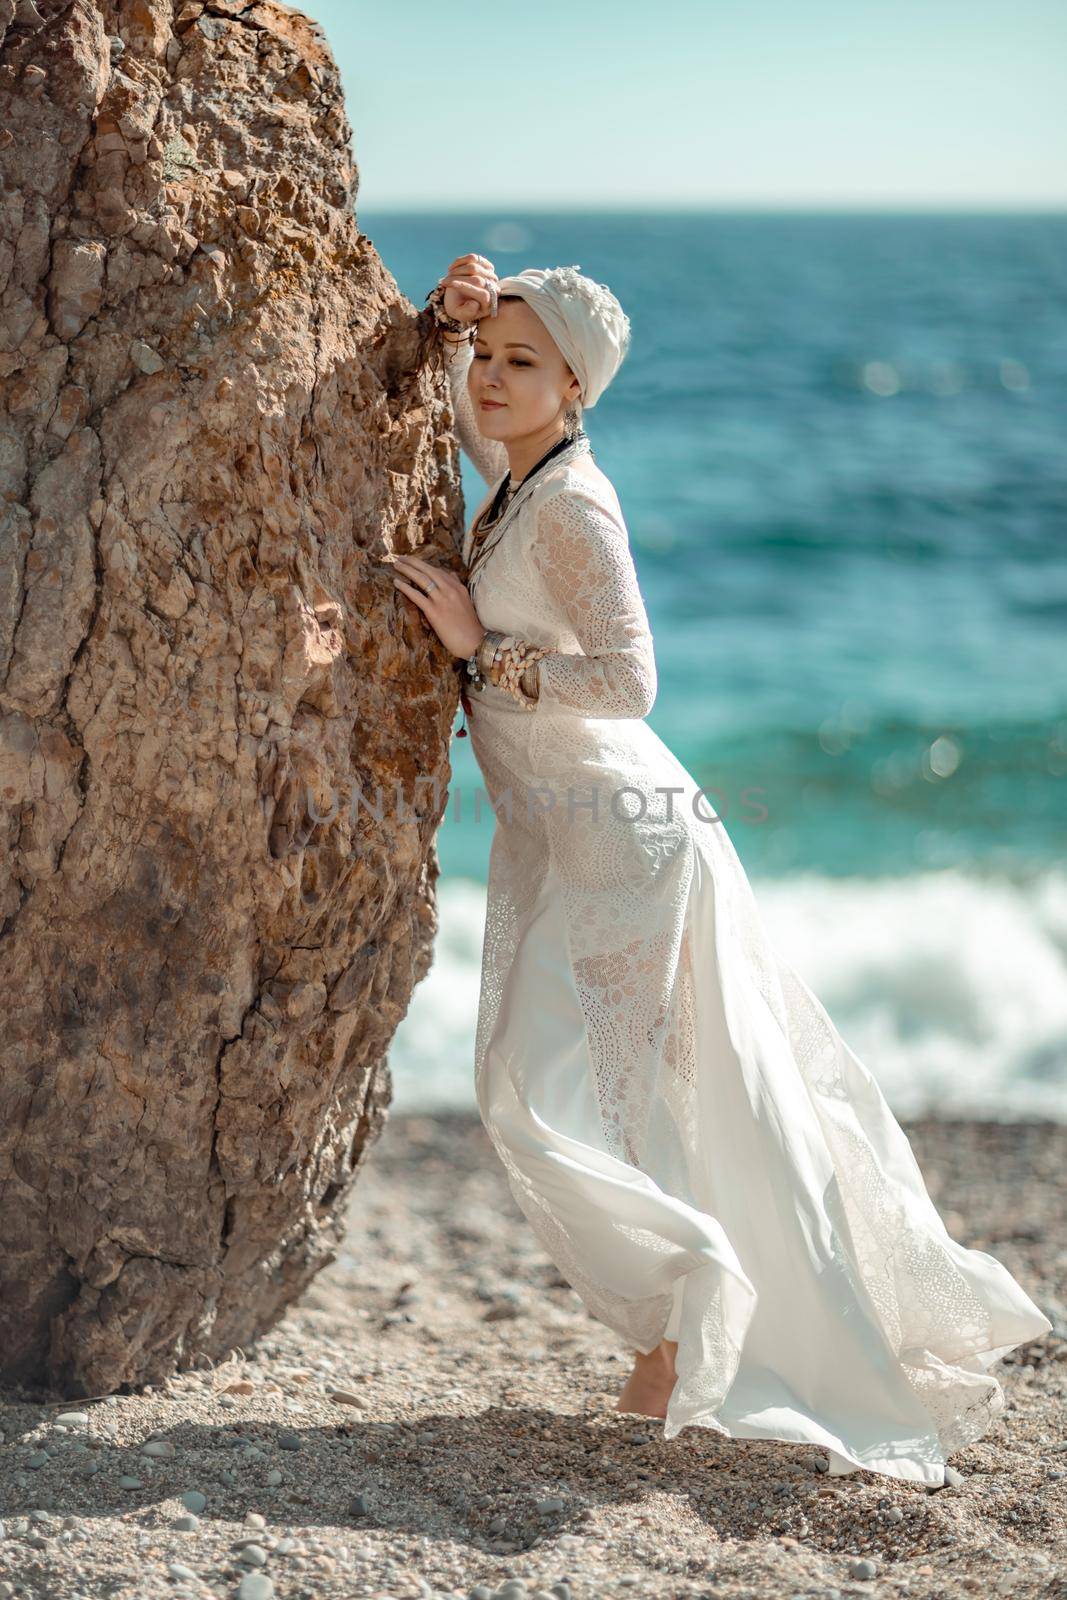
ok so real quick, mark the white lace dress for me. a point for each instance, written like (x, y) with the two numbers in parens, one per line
(694, 1144)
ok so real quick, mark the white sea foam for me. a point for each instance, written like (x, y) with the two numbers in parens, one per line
(950, 987)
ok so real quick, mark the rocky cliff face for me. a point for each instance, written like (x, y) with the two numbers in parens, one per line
(211, 921)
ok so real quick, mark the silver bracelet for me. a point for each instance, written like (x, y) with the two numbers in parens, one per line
(530, 682)
(475, 670)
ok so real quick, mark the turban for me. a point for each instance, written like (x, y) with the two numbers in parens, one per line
(584, 318)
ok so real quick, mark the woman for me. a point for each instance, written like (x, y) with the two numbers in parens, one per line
(695, 1145)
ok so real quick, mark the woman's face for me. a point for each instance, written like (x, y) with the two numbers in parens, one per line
(518, 365)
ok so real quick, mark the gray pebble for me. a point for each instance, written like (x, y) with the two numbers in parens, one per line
(193, 1500)
(255, 1519)
(255, 1586)
(254, 1555)
(187, 1523)
(38, 1459)
(157, 1447)
(548, 1505)
(126, 1482)
(178, 1570)
(72, 1419)
(863, 1569)
(290, 1441)
(480, 1592)
(274, 1478)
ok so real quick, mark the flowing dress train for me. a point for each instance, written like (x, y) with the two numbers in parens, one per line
(687, 1133)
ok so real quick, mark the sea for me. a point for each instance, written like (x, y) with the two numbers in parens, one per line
(840, 445)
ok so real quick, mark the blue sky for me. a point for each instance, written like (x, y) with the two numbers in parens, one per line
(947, 104)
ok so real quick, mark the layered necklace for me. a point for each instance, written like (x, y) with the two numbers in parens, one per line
(482, 542)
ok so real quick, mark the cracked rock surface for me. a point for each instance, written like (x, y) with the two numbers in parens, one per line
(217, 803)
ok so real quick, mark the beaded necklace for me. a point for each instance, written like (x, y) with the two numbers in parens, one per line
(489, 521)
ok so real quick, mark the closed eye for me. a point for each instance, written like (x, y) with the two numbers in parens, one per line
(516, 361)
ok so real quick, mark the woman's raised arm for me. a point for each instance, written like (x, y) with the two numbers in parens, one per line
(490, 457)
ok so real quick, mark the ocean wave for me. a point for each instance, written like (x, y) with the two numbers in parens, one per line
(951, 987)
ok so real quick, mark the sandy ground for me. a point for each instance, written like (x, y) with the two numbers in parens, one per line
(437, 1418)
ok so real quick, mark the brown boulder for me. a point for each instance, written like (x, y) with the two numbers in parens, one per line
(211, 430)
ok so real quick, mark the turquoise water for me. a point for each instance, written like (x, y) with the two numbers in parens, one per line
(839, 446)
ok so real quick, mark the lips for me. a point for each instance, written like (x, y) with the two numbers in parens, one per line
(491, 405)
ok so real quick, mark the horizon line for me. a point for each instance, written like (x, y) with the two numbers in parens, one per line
(909, 208)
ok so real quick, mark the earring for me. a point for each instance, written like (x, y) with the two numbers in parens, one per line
(572, 420)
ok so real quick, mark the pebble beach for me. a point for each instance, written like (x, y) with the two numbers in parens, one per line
(436, 1418)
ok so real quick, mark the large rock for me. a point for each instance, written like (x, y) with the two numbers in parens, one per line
(211, 429)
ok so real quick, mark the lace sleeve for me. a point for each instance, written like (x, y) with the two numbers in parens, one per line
(583, 556)
(490, 457)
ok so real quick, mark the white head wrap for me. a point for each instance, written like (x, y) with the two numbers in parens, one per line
(584, 318)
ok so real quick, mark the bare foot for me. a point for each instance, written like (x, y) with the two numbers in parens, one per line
(648, 1388)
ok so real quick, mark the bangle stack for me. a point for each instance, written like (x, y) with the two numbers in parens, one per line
(436, 302)
(508, 663)
(439, 335)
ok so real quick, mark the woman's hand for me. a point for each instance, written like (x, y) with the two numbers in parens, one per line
(448, 608)
(470, 288)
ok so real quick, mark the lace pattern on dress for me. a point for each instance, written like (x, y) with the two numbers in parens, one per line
(893, 1244)
(582, 556)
